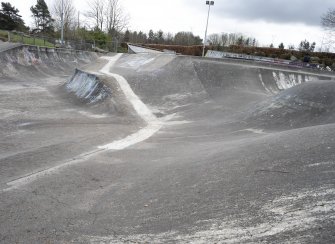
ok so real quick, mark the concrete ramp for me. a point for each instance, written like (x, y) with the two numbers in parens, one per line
(308, 104)
(175, 81)
(137, 49)
(88, 87)
(99, 93)
(145, 61)
(41, 61)
(4, 46)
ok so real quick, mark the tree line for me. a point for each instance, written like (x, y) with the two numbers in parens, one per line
(103, 16)
(219, 41)
(105, 20)
(10, 18)
(159, 37)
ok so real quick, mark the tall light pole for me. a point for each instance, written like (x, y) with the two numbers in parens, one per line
(62, 25)
(209, 3)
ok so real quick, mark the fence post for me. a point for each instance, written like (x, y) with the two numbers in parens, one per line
(34, 41)
(44, 40)
(22, 39)
(9, 36)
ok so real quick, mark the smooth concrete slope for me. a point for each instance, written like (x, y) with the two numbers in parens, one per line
(4, 46)
(43, 125)
(239, 152)
(137, 49)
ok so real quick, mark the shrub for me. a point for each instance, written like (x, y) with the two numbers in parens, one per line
(328, 62)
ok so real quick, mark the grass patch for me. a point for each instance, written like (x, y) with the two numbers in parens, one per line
(122, 50)
(3, 35)
(31, 41)
(25, 39)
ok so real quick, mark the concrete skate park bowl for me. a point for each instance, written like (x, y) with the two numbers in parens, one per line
(159, 148)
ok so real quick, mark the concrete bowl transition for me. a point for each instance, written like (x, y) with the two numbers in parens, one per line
(161, 148)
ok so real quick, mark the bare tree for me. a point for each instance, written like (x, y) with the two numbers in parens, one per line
(168, 37)
(96, 12)
(328, 22)
(186, 38)
(215, 39)
(108, 16)
(116, 20)
(142, 37)
(232, 38)
(69, 15)
(224, 39)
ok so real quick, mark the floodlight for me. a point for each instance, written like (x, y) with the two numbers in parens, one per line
(209, 3)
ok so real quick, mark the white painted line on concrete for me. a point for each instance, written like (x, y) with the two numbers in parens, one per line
(153, 126)
(26, 179)
(139, 136)
(143, 111)
(256, 131)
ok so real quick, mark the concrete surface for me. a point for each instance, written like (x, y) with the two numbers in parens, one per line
(4, 46)
(238, 152)
(137, 49)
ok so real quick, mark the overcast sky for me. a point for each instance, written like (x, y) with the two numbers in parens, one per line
(269, 21)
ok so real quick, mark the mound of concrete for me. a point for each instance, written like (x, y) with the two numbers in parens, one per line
(88, 87)
(307, 104)
(98, 93)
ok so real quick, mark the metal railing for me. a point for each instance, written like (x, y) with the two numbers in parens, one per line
(47, 41)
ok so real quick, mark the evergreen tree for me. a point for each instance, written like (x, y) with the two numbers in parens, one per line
(306, 46)
(151, 36)
(142, 37)
(247, 42)
(134, 37)
(42, 16)
(291, 47)
(254, 42)
(240, 41)
(160, 36)
(10, 18)
(281, 46)
(126, 37)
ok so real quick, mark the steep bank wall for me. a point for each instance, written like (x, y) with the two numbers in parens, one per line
(41, 61)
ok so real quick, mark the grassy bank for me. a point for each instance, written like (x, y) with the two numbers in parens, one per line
(28, 40)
